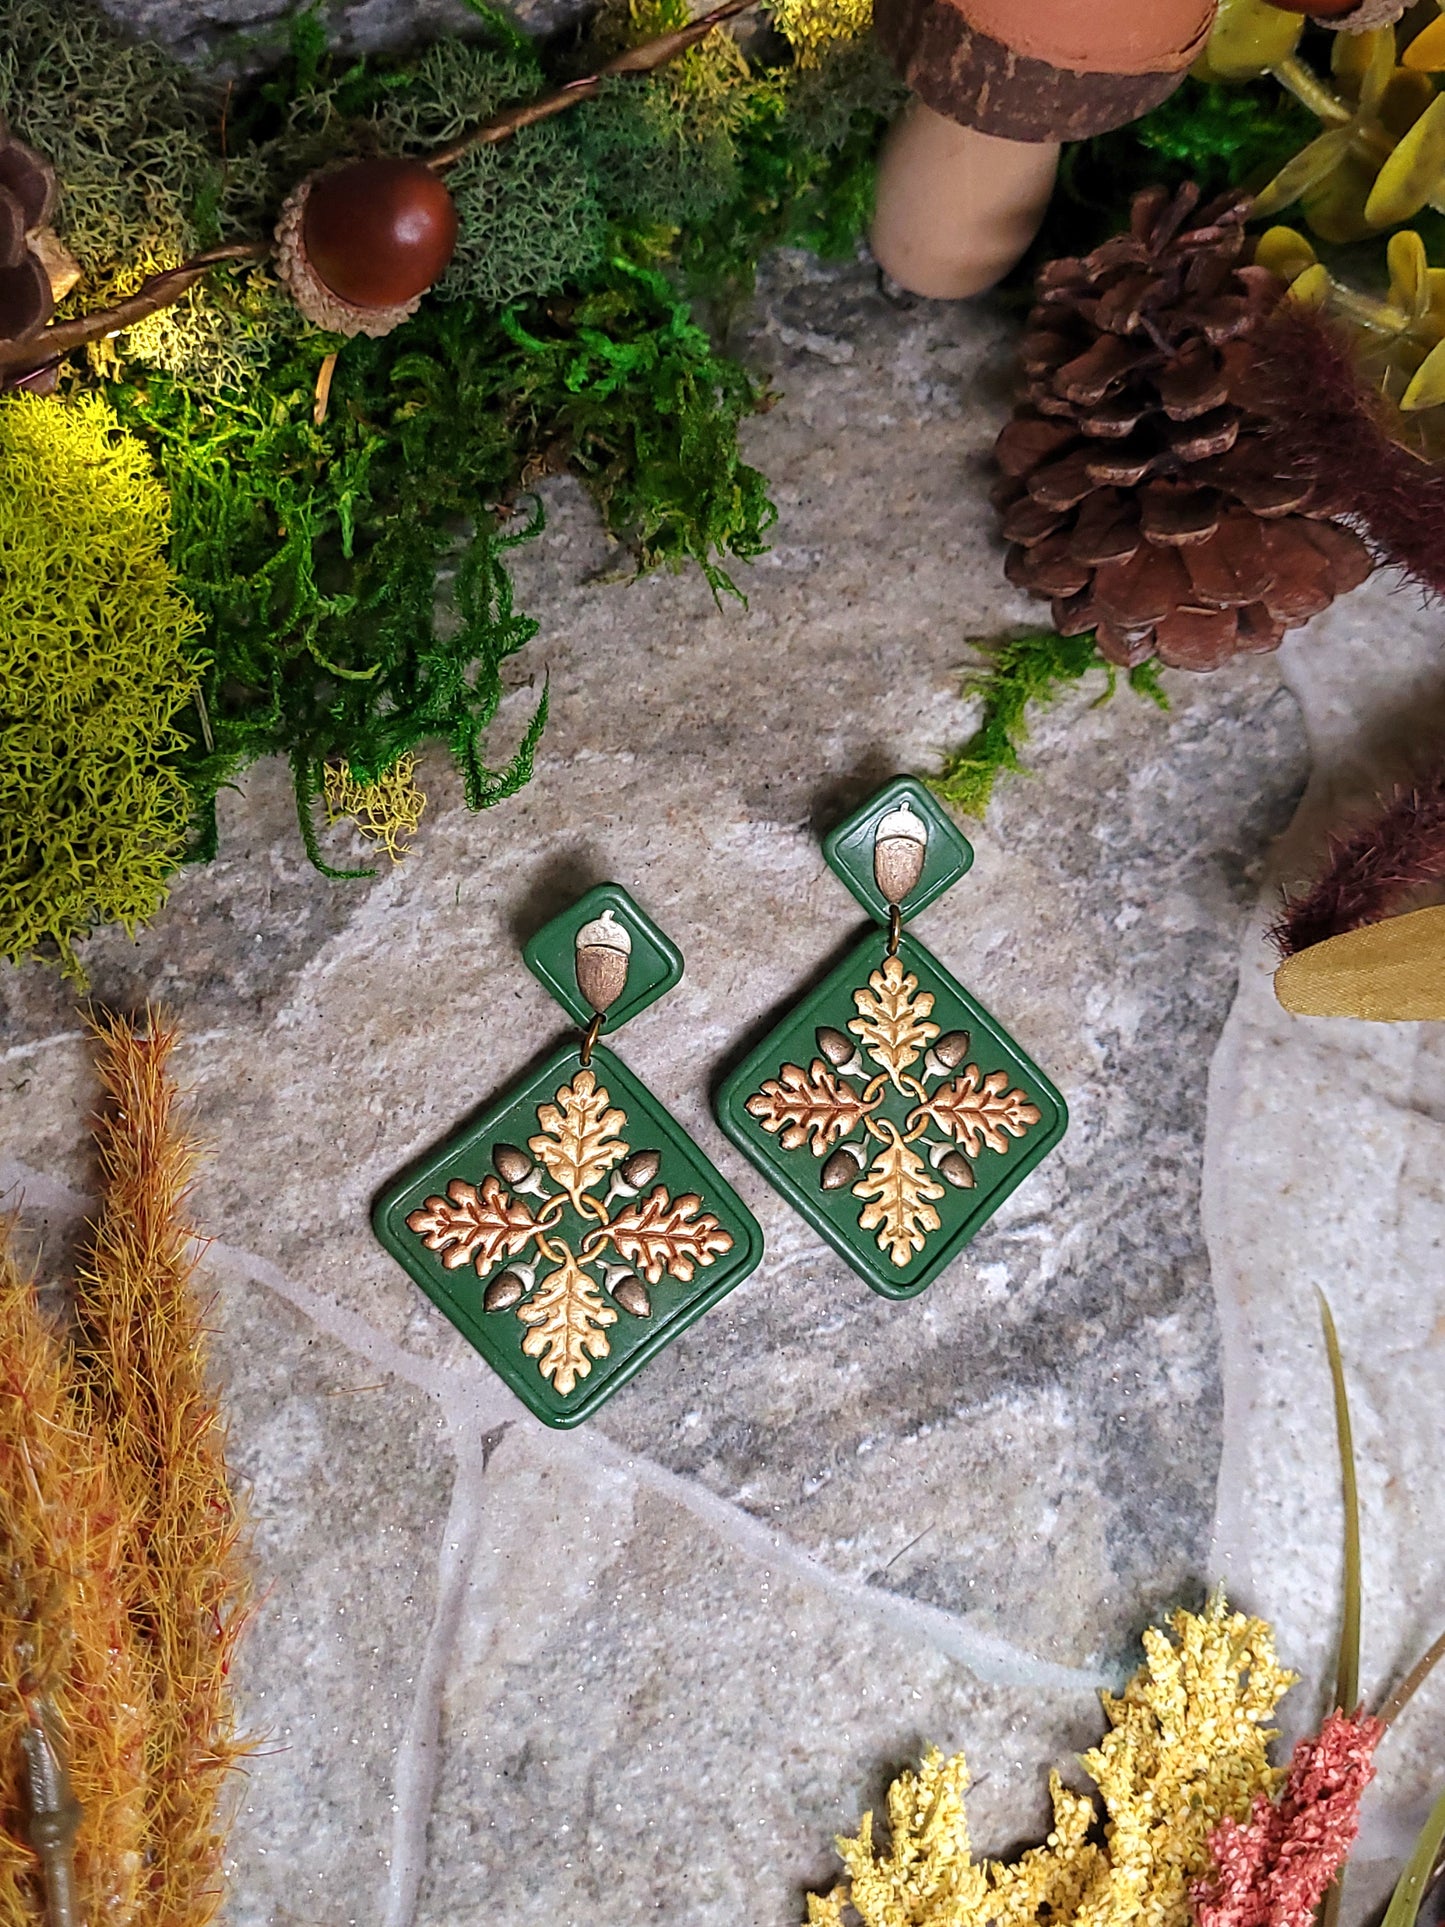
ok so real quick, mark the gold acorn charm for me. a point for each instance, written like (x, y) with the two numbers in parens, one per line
(899, 848)
(604, 951)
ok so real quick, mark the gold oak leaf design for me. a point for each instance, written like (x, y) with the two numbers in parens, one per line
(578, 1144)
(658, 1234)
(568, 1317)
(814, 1104)
(892, 1019)
(901, 1191)
(976, 1110)
(469, 1226)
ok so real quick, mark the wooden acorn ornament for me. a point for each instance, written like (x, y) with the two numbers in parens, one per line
(966, 174)
(358, 247)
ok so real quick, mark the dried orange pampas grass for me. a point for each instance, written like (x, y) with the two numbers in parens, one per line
(67, 1654)
(122, 1590)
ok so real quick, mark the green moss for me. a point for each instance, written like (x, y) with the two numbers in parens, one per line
(1023, 673)
(96, 660)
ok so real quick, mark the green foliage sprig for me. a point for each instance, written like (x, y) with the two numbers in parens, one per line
(1024, 672)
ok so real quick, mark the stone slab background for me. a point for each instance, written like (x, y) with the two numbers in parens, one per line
(647, 1671)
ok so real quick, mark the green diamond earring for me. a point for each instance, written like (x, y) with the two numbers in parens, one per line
(889, 1108)
(575, 1229)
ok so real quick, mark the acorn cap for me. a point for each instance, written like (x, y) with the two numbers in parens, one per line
(606, 930)
(321, 305)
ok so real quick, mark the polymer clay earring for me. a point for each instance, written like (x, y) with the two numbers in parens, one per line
(575, 1229)
(889, 1108)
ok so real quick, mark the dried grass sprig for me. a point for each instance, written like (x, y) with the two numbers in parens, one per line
(68, 1656)
(143, 1355)
(1373, 870)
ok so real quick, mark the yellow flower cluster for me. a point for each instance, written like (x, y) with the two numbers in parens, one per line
(1187, 1744)
(812, 26)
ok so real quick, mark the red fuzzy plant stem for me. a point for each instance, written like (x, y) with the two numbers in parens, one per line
(1373, 870)
(1273, 1871)
(1331, 429)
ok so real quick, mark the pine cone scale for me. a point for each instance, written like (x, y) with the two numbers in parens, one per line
(1146, 496)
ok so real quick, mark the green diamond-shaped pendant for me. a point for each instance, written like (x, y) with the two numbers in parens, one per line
(575, 1229)
(889, 1108)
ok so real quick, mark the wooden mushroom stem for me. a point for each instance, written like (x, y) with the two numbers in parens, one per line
(161, 290)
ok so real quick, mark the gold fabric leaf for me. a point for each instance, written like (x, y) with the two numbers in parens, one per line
(892, 1019)
(1391, 972)
(568, 1316)
(468, 1226)
(815, 1105)
(901, 1212)
(578, 1144)
(659, 1234)
(976, 1110)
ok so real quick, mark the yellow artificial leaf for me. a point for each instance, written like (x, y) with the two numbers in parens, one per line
(1414, 175)
(1285, 252)
(1312, 165)
(1426, 52)
(1410, 286)
(1427, 384)
(901, 1211)
(892, 1020)
(1335, 206)
(1248, 39)
(578, 1144)
(568, 1317)
(1313, 288)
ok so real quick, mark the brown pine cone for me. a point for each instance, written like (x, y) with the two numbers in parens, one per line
(27, 199)
(1141, 490)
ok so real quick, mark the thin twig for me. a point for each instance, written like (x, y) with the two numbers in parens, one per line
(633, 60)
(323, 388)
(1347, 1670)
(153, 294)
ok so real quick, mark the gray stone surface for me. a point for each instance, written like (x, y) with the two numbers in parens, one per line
(646, 1671)
(244, 34)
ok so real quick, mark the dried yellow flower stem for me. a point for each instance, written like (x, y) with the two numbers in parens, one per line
(143, 1355)
(1187, 1744)
(68, 1657)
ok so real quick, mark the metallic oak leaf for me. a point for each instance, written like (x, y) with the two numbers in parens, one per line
(975, 1110)
(816, 1104)
(901, 1191)
(892, 1020)
(469, 1226)
(568, 1317)
(660, 1234)
(577, 1143)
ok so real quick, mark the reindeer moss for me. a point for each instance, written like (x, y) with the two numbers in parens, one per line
(96, 660)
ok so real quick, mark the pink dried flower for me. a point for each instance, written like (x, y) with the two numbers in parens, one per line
(1273, 1871)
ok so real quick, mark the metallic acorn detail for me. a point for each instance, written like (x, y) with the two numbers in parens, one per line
(604, 950)
(641, 1168)
(955, 1167)
(633, 1175)
(839, 1049)
(633, 1297)
(505, 1291)
(947, 1053)
(899, 847)
(358, 247)
(511, 1165)
(844, 1167)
